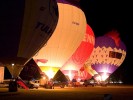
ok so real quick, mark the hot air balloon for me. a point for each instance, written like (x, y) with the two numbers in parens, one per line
(66, 38)
(1, 74)
(82, 75)
(88, 66)
(26, 25)
(108, 54)
(77, 60)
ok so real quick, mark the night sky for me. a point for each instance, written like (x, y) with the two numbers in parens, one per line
(106, 15)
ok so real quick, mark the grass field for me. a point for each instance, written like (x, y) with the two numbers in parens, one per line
(70, 93)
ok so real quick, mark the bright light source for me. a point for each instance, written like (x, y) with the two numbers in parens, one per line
(12, 70)
(13, 64)
(70, 75)
(50, 73)
(120, 82)
(104, 76)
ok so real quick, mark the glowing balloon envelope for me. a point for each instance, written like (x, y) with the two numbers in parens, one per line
(108, 54)
(88, 66)
(1, 74)
(77, 60)
(82, 75)
(26, 27)
(66, 38)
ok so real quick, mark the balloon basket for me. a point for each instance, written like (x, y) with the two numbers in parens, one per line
(13, 87)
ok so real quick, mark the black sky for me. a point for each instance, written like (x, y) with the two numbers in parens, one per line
(105, 15)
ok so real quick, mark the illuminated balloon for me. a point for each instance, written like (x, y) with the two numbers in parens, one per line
(66, 38)
(88, 67)
(77, 60)
(82, 75)
(86, 72)
(49, 71)
(1, 74)
(108, 54)
(26, 25)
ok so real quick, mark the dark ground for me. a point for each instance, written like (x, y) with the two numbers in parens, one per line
(70, 93)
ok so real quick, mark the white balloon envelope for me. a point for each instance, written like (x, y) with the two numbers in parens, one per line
(66, 38)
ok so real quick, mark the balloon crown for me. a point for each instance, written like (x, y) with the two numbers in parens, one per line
(114, 34)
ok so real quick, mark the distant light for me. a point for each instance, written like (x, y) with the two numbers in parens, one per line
(115, 82)
(120, 82)
(111, 82)
(92, 81)
(13, 64)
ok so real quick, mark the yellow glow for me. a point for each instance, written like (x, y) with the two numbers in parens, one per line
(49, 71)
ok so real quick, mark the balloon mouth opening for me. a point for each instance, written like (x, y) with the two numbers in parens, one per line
(101, 76)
